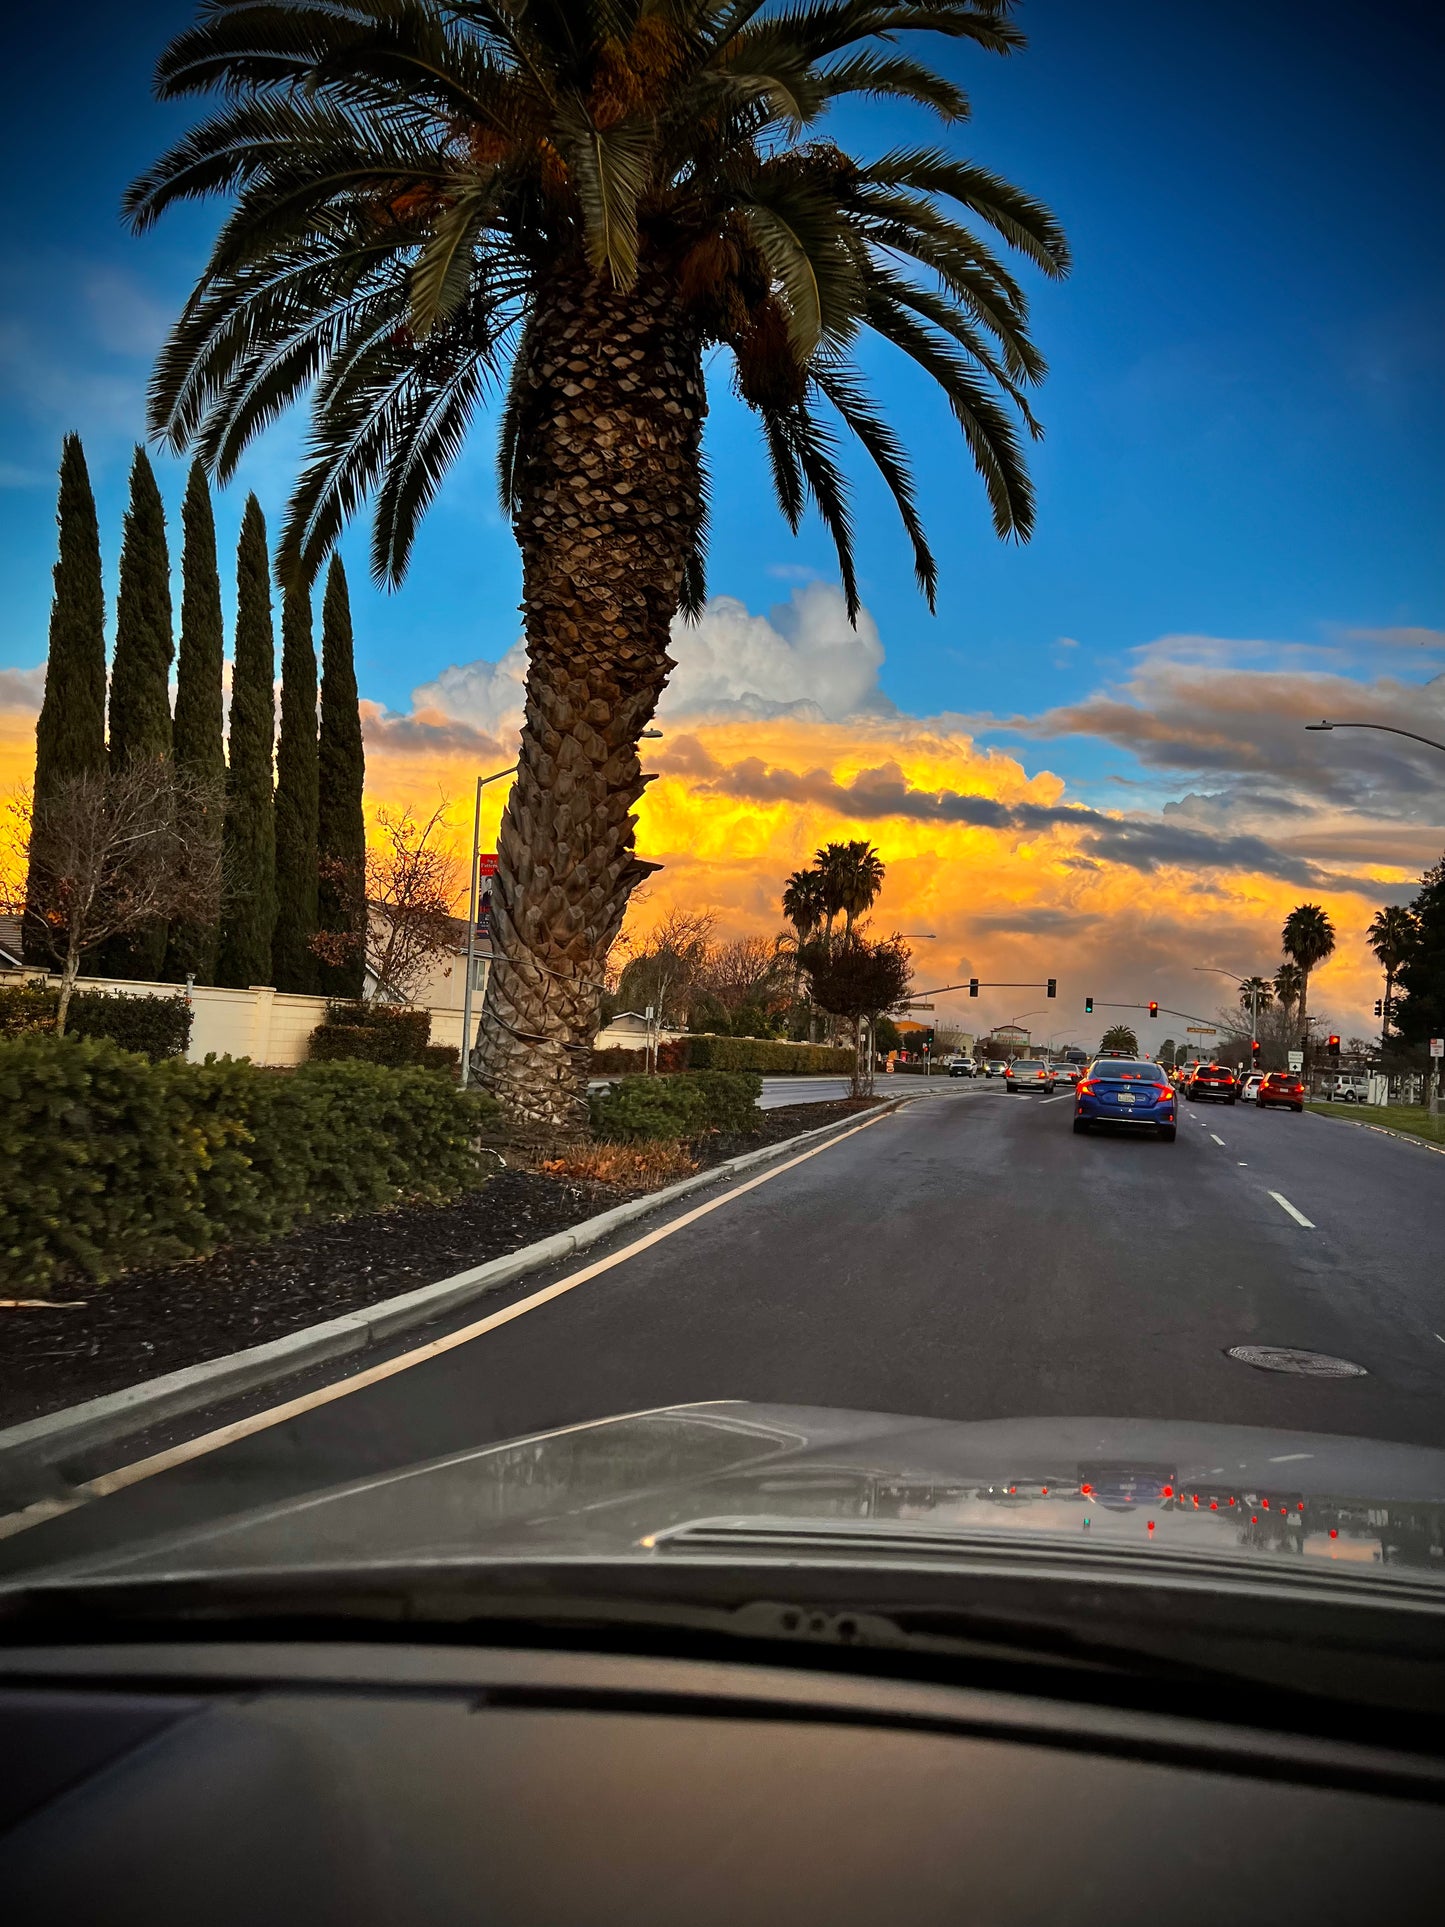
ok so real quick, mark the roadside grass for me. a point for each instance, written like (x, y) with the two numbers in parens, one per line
(1413, 1120)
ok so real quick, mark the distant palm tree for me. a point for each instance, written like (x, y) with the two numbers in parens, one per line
(1119, 1037)
(1287, 985)
(1308, 937)
(1256, 987)
(863, 873)
(1392, 935)
(578, 202)
(803, 903)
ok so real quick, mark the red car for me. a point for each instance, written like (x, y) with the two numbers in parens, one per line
(1282, 1087)
(1213, 1080)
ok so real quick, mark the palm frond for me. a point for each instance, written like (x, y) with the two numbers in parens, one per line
(1024, 222)
(847, 394)
(609, 171)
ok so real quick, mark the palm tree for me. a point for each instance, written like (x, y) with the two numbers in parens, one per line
(1119, 1037)
(1308, 938)
(803, 903)
(1256, 987)
(1392, 936)
(862, 879)
(579, 203)
(1287, 985)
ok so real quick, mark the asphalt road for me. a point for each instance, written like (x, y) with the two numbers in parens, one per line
(966, 1257)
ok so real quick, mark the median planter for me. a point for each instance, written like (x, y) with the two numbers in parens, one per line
(109, 1161)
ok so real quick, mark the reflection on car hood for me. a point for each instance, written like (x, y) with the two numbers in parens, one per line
(648, 1483)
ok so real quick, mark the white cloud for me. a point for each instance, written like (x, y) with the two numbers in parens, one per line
(803, 659)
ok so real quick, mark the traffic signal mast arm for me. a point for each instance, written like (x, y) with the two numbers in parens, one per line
(975, 984)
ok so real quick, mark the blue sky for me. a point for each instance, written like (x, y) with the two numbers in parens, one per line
(1244, 416)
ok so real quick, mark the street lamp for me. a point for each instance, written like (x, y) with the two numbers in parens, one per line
(482, 782)
(1389, 729)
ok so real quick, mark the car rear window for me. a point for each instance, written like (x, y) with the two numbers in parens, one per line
(1028, 1067)
(1122, 1067)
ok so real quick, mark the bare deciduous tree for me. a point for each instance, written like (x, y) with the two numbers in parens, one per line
(667, 966)
(414, 882)
(108, 853)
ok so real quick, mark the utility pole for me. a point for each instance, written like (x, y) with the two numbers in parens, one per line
(482, 782)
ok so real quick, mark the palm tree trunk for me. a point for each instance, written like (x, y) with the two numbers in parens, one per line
(1304, 1022)
(609, 493)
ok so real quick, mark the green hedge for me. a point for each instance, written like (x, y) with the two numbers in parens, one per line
(158, 1026)
(25, 1007)
(109, 1162)
(373, 1033)
(637, 1108)
(758, 1054)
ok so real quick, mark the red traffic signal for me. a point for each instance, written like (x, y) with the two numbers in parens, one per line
(1153, 1009)
(1332, 1044)
(1254, 1052)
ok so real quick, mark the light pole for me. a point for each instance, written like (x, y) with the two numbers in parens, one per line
(1388, 728)
(482, 782)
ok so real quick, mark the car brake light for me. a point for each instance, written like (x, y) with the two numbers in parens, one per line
(1084, 1087)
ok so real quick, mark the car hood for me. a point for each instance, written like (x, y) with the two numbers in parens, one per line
(647, 1483)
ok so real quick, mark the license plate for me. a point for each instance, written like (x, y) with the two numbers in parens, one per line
(1123, 1098)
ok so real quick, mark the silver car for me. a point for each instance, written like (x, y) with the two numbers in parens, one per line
(1030, 1075)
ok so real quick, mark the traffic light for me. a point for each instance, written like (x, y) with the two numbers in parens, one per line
(973, 986)
(1153, 1009)
(1332, 1044)
(1053, 986)
(1088, 1006)
(1254, 1054)
(1379, 1006)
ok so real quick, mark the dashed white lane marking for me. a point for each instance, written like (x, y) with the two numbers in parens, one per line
(1218, 1140)
(1056, 1100)
(1285, 1205)
(1243, 1165)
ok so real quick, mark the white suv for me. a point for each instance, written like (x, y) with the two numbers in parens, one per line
(1347, 1087)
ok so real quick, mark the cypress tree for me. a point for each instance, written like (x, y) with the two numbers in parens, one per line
(341, 828)
(140, 697)
(293, 964)
(248, 909)
(70, 734)
(198, 730)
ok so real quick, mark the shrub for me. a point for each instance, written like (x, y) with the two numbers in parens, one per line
(729, 1098)
(376, 1033)
(445, 1058)
(108, 1161)
(754, 1054)
(25, 1007)
(156, 1026)
(615, 1061)
(636, 1109)
(632, 1167)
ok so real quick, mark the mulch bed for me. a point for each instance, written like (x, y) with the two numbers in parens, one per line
(151, 1322)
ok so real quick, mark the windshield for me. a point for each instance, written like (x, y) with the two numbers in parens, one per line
(600, 680)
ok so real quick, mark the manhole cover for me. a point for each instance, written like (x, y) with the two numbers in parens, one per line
(1284, 1358)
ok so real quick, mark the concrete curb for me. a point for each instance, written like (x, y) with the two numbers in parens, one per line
(119, 1415)
(1381, 1130)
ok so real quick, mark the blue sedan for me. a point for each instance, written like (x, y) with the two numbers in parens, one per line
(1125, 1090)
